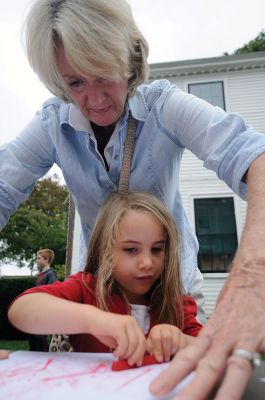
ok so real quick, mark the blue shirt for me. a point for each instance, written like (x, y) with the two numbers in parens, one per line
(168, 121)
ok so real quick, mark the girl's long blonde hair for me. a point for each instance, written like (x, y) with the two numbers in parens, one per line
(166, 297)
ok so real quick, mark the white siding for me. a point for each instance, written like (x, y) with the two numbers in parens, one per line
(246, 97)
(212, 286)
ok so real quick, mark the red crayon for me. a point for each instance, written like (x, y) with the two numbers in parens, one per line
(121, 365)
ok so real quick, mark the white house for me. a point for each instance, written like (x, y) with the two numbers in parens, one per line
(237, 84)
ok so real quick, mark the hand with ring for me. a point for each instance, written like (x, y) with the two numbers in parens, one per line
(228, 347)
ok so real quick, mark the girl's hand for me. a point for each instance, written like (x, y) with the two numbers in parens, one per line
(121, 333)
(4, 354)
(165, 340)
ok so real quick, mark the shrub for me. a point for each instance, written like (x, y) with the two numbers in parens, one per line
(10, 287)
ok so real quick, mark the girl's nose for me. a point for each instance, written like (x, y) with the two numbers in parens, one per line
(146, 262)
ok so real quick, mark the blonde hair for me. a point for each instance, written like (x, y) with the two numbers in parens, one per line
(166, 298)
(46, 253)
(99, 38)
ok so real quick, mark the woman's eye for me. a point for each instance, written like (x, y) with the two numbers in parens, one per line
(100, 80)
(77, 83)
(103, 81)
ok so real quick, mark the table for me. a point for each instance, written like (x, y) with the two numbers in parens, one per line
(37, 375)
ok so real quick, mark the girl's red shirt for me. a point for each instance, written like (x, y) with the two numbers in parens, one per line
(80, 288)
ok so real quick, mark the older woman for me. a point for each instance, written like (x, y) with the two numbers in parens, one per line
(92, 57)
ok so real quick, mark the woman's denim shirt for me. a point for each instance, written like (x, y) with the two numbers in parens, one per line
(168, 121)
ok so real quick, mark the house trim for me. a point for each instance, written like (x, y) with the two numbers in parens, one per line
(203, 66)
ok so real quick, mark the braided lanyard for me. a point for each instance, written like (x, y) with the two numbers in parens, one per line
(127, 156)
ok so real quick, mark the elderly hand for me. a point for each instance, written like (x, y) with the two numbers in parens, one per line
(237, 323)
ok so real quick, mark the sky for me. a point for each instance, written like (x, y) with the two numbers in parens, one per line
(11, 270)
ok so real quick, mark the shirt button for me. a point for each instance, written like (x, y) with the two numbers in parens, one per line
(116, 157)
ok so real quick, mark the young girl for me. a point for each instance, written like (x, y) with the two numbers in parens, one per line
(130, 289)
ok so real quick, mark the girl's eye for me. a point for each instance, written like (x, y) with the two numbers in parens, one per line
(157, 250)
(130, 250)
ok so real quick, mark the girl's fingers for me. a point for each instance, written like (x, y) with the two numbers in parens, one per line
(4, 354)
(166, 342)
(131, 343)
(176, 341)
(137, 345)
(155, 343)
(122, 344)
(138, 354)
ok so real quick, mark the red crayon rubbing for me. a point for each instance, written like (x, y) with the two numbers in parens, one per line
(121, 365)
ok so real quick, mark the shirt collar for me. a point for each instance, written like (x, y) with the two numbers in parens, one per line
(77, 120)
(138, 106)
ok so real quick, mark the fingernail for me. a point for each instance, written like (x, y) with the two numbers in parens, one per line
(159, 357)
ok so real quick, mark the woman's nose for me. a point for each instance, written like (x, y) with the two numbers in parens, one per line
(95, 96)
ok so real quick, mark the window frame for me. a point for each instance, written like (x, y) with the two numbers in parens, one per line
(236, 215)
(207, 82)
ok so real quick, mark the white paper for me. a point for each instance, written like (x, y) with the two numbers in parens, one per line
(29, 375)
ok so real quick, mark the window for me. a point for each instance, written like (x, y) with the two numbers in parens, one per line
(213, 92)
(216, 232)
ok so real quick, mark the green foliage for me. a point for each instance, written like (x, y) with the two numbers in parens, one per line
(9, 289)
(60, 271)
(257, 44)
(40, 222)
(14, 345)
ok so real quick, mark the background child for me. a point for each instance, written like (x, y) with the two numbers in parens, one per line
(130, 288)
(44, 261)
(46, 276)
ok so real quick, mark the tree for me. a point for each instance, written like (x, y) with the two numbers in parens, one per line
(40, 222)
(257, 44)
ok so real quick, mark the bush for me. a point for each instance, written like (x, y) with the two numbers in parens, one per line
(60, 270)
(9, 289)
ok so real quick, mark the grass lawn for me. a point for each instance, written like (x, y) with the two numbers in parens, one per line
(14, 345)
